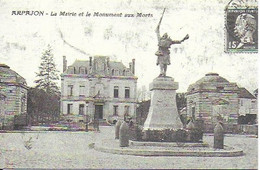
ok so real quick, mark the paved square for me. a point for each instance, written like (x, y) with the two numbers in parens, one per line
(73, 150)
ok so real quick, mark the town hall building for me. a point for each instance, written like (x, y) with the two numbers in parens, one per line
(98, 88)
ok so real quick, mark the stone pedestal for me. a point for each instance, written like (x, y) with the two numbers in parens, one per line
(163, 113)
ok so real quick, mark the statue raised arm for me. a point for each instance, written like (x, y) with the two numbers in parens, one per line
(158, 26)
(163, 52)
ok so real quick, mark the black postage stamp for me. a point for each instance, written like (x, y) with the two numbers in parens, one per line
(241, 29)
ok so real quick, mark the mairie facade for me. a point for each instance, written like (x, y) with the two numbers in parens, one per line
(98, 88)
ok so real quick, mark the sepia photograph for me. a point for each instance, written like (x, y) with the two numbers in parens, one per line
(129, 84)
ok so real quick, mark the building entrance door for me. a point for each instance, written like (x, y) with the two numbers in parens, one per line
(99, 111)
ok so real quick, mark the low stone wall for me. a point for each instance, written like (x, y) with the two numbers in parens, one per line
(248, 129)
(233, 128)
(137, 133)
(166, 149)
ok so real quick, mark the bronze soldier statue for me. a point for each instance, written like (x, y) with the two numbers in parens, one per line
(163, 52)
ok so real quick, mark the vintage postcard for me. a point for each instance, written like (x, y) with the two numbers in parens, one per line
(129, 84)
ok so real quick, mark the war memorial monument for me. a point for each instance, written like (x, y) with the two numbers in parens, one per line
(163, 133)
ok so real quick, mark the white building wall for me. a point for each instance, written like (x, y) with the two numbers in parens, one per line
(106, 88)
(76, 82)
(121, 109)
(247, 106)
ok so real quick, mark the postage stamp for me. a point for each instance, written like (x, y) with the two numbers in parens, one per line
(241, 29)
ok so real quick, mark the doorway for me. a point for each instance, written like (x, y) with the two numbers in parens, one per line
(193, 113)
(99, 111)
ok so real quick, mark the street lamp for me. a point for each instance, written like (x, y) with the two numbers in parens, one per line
(86, 117)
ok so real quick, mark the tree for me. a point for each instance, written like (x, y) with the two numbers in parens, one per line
(181, 100)
(143, 94)
(48, 73)
(42, 106)
(43, 100)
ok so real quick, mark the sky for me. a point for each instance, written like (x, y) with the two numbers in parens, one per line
(24, 38)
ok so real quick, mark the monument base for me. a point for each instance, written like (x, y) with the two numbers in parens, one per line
(163, 113)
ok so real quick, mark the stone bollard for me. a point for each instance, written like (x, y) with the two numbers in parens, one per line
(219, 136)
(96, 124)
(124, 135)
(190, 127)
(86, 127)
(117, 127)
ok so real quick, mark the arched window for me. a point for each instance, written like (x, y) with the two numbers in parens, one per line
(123, 72)
(82, 70)
(71, 70)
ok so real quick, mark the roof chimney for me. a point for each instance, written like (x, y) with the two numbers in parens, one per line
(90, 61)
(133, 66)
(64, 64)
(130, 66)
(108, 61)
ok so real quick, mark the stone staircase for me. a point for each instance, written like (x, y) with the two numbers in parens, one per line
(102, 122)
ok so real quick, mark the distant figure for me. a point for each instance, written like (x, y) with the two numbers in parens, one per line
(163, 52)
(244, 29)
(96, 123)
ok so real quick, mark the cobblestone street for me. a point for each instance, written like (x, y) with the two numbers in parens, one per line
(74, 150)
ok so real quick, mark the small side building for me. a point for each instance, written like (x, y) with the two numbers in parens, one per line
(98, 88)
(2, 108)
(13, 94)
(211, 97)
(247, 107)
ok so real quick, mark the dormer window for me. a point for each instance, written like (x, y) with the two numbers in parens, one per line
(71, 70)
(82, 70)
(113, 72)
(116, 72)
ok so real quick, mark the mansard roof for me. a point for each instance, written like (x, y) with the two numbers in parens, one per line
(112, 66)
(214, 83)
(9, 76)
(80, 63)
(117, 65)
(85, 63)
(212, 78)
(244, 93)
